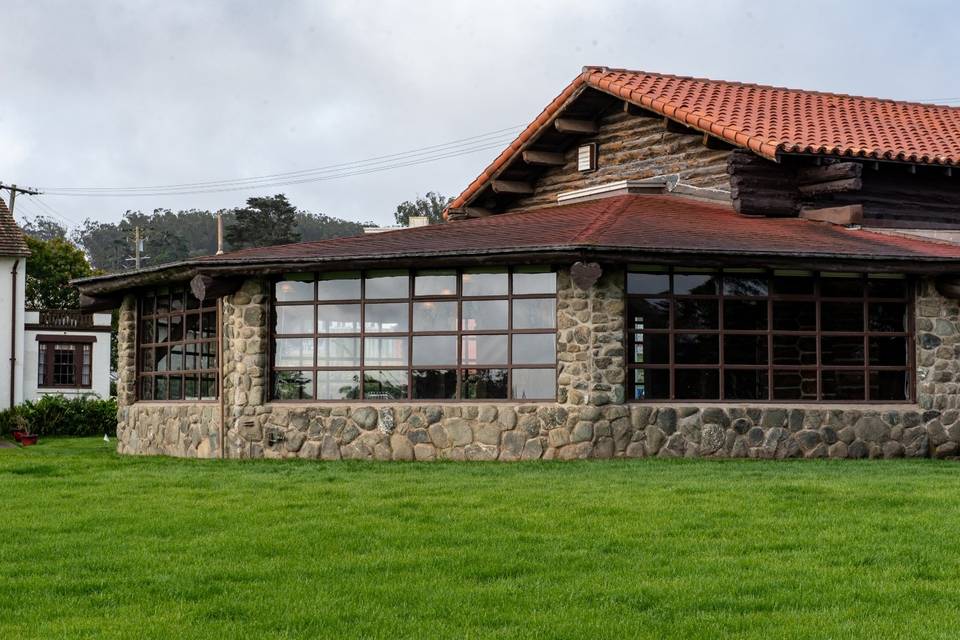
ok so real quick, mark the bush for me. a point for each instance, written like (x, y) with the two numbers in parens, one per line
(60, 416)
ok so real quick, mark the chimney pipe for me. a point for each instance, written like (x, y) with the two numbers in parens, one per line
(219, 232)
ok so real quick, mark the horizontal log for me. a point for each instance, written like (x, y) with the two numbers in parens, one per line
(834, 186)
(571, 125)
(751, 191)
(511, 186)
(747, 158)
(828, 172)
(765, 181)
(206, 287)
(105, 302)
(545, 158)
(761, 206)
(851, 214)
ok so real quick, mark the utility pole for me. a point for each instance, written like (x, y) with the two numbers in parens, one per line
(136, 246)
(14, 190)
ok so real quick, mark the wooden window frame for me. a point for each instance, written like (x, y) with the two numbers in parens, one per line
(202, 307)
(909, 368)
(410, 299)
(46, 357)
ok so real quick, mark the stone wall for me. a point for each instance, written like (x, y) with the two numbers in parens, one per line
(589, 420)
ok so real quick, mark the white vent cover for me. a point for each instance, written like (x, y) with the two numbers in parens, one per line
(587, 157)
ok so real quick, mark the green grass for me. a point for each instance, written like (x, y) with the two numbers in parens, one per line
(96, 545)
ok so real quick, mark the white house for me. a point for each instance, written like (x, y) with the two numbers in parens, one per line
(44, 352)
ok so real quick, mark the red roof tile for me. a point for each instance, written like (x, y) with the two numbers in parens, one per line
(769, 120)
(642, 223)
(11, 237)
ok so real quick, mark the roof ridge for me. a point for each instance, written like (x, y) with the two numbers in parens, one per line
(760, 85)
(613, 208)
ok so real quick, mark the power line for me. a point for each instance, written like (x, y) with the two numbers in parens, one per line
(472, 144)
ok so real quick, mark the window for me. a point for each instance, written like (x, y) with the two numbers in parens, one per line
(177, 346)
(65, 361)
(754, 334)
(437, 334)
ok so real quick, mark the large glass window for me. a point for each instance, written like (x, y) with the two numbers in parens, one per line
(436, 334)
(755, 334)
(64, 362)
(177, 346)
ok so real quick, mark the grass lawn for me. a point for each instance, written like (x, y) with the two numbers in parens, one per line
(97, 545)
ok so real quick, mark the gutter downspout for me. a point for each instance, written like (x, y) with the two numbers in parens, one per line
(13, 333)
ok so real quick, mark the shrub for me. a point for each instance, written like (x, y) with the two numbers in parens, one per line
(60, 416)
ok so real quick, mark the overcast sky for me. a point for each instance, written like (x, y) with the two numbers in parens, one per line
(133, 94)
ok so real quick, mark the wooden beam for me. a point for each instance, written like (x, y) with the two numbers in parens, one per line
(765, 206)
(834, 186)
(713, 142)
(470, 212)
(578, 127)
(635, 110)
(850, 214)
(672, 126)
(511, 186)
(206, 287)
(828, 172)
(105, 302)
(545, 158)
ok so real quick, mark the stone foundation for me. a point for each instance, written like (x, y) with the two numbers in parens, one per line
(589, 420)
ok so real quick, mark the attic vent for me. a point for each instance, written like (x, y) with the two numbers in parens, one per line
(587, 157)
(619, 188)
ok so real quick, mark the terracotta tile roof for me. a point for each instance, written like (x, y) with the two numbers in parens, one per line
(645, 223)
(768, 120)
(11, 238)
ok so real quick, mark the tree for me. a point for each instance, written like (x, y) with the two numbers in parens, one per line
(43, 228)
(431, 205)
(51, 266)
(264, 222)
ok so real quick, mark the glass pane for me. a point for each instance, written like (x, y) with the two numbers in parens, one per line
(160, 358)
(535, 313)
(651, 384)
(385, 352)
(484, 384)
(750, 315)
(745, 284)
(191, 359)
(435, 350)
(338, 286)
(162, 334)
(338, 352)
(163, 304)
(842, 350)
(841, 316)
(484, 315)
(795, 385)
(338, 385)
(384, 385)
(697, 314)
(148, 307)
(338, 318)
(208, 386)
(528, 280)
(392, 317)
(889, 385)
(793, 283)
(175, 359)
(434, 384)
(479, 282)
(879, 286)
(208, 324)
(842, 385)
(795, 350)
(740, 384)
(175, 388)
(192, 301)
(191, 388)
(435, 283)
(534, 384)
(653, 313)
(208, 355)
(648, 283)
(650, 348)
(146, 358)
(889, 351)
(534, 348)
(387, 284)
(739, 349)
(695, 283)
(176, 328)
(192, 330)
(887, 316)
(160, 388)
(146, 389)
(484, 349)
(841, 285)
(146, 331)
(176, 304)
(293, 385)
(295, 319)
(290, 290)
(697, 384)
(794, 316)
(434, 316)
(696, 348)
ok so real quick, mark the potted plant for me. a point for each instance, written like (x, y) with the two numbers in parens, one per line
(18, 427)
(23, 428)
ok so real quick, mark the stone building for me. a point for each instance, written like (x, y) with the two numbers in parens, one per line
(657, 266)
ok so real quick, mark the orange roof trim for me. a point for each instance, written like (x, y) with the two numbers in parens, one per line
(767, 120)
